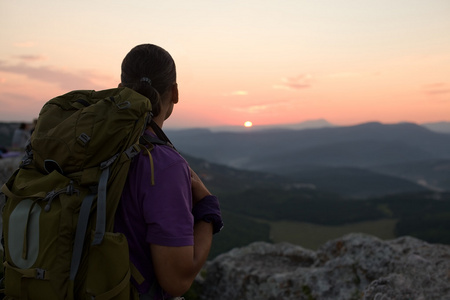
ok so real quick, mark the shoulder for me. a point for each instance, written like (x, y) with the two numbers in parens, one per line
(165, 157)
(161, 163)
(163, 152)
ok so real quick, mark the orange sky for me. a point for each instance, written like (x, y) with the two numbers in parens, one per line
(269, 62)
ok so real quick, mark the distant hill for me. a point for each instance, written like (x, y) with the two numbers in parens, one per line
(434, 174)
(354, 153)
(320, 123)
(316, 182)
(359, 146)
(383, 152)
(443, 127)
(355, 182)
(220, 178)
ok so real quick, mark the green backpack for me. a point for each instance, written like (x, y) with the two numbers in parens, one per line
(60, 204)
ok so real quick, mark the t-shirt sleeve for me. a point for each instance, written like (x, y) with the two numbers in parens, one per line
(167, 207)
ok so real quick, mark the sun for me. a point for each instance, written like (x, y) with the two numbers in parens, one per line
(248, 124)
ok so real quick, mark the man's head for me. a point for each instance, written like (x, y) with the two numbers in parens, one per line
(150, 70)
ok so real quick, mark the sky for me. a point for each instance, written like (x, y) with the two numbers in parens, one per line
(268, 62)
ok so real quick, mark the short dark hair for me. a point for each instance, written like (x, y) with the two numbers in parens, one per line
(152, 62)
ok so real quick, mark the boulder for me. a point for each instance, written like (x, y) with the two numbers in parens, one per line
(355, 266)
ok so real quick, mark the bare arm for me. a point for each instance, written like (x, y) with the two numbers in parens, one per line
(177, 267)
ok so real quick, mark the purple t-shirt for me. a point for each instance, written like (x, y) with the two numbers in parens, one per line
(156, 214)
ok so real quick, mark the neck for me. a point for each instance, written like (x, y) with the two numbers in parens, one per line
(156, 129)
(159, 120)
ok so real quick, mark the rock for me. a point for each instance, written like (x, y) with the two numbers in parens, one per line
(355, 266)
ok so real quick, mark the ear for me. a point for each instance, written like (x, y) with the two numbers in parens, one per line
(175, 93)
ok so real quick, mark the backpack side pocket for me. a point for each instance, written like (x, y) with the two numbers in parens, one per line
(108, 272)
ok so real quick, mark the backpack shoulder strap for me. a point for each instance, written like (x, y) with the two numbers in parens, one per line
(161, 138)
(148, 139)
(160, 134)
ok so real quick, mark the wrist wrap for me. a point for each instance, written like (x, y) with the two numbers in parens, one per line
(208, 210)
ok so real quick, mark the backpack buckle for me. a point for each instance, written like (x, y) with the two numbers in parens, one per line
(132, 151)
(108, 162)
(40, 274)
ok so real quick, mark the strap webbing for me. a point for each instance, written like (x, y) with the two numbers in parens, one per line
(101, 208)
(2, 204)
(152, 169)
(80, 234)
(136, 274)
(35, 273)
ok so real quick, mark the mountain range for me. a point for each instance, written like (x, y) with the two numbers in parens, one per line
(329, 176)
(369, 159)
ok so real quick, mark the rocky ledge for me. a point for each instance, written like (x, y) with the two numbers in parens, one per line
(355, 266)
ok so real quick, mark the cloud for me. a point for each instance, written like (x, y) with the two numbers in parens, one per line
(14, 98)
(437, 89)
(19, 107)
(236, 93)
(252, 109)
(258, 107)
(438, 92)
(295, 83)
(345, 75)
(239, 93)
(64, 79)
(31, 58)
